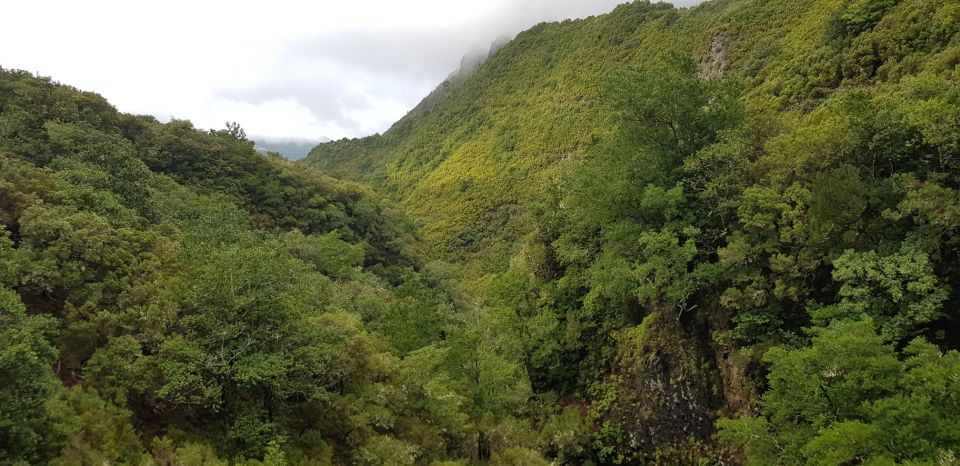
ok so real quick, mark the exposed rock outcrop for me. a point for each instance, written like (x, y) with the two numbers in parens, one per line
(668, 393)
(715, 65)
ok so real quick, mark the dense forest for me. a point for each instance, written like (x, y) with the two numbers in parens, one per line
(721, 235)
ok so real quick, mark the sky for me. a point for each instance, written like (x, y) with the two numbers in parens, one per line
(286, 70)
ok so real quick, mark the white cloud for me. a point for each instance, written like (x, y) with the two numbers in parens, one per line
(285, 69)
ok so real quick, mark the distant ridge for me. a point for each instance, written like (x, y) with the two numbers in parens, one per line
(295, 149)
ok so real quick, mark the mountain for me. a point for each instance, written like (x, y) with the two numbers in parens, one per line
(475, 153)
(291, 149)
(170, 296)
(721, 235)
(740, 212)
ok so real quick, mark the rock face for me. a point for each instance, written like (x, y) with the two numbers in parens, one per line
(715, 65)
(668, 390)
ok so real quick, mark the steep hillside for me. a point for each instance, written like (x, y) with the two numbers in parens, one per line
(469, 168)
(728, 233)
(724, 235)
(170, 296)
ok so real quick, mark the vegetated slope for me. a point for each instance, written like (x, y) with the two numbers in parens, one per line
(746, 211)
(737, 241)
(468, 168)
(170, 296)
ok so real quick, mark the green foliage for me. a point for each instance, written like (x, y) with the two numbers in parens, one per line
(482, 148)
(8, 263)
(517, 456)
(849, 397)
(25, 365)
(671, 110)
(327, 253)
(386, 450)
(243, 310)
(116, 368)
(164, 452)
(654, 216)
(486, 354)
(856, 16)
(797, 172)
(900, 291)
(93, 431)
(837, 201)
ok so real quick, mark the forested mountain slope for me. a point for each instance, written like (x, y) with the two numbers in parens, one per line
(504, 137)
(724, 235)
(170, 296)
(745, 210)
